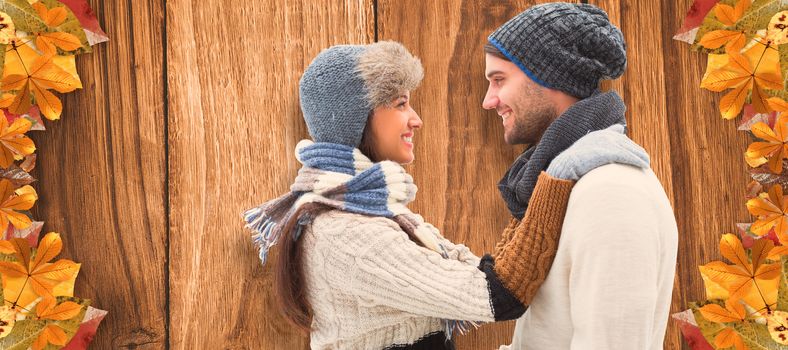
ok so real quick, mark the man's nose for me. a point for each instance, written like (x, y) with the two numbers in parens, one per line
(490, 100)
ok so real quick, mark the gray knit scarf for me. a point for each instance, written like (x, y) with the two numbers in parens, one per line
(596, 112)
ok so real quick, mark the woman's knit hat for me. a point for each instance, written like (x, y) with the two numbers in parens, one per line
(344, 83)
(563, 46)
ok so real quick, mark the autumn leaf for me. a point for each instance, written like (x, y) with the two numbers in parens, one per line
(7, 29)
(35, 83)
(733, 40)
(50, 334)
(757, 68)
(15, 145)
(733, 312)
(770, 209)
(773, 148)
(7, 320)
(777, 322)
(778, 28)
(47, 41)
(13, 201)
(740, 278)
(35, 271)
(49, 309)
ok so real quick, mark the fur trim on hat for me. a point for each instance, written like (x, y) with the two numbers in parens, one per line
(388, 70)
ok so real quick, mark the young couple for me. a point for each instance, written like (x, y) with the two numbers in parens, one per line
(358, 270)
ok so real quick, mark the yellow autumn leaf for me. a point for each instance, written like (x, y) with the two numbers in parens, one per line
(51, 334)
(778, 104)
(47, 41)
(14, 144)
(14, 200)
(727, 338)
(38, 275)
(733, 312)
(774, 146)
(777, 322)
(771, 212)
(740, 278)
(733, 40)
(7, 320)
(757, 68)
(38, 79)
(777, 31)
(7, 29)
(49, 309)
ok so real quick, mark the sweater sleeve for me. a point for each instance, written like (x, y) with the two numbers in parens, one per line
(397, 273)
(614, 267)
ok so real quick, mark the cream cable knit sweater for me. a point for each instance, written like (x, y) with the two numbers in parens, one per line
(611, 282)
(370, 286)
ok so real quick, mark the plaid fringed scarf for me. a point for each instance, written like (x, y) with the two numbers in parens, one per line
(341, 177)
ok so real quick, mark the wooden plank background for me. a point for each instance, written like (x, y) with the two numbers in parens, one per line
(190, 115)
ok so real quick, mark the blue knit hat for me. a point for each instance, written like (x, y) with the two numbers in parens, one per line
(344, 83)
(563, 46)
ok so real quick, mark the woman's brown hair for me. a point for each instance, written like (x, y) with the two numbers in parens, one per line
(290, 287)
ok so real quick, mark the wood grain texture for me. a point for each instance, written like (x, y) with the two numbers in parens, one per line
(234, 122)
(101, 172)
(169, 161)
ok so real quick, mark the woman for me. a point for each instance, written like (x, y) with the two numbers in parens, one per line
(357, 268)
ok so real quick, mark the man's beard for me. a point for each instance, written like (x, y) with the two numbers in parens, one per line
(528, 129)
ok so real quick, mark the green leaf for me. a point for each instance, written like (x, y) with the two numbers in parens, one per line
(26, 331)
(71, 25)
(782, 289)
(24, 16)
(755, 336)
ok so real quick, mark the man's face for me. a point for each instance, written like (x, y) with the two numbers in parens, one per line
(521, 103)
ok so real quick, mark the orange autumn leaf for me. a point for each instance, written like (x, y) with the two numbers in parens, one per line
(14, 144)
(41, 275)
(733, 40)
(738, 279)
(46, 42)
(14, 200)
(49, 309)
(41, 76)
(729, 15)
(733, 312)
(51, 334)
(778, 104)
(757, 68)
(729, 337)
(771, 212)
(773, 147)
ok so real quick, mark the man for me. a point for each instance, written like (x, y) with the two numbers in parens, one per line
(609, 286)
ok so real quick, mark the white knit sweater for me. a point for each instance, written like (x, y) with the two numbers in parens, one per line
(370, 286)
(611, 282)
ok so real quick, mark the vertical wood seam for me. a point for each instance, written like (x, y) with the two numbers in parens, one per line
(375, 19)
(166, 137)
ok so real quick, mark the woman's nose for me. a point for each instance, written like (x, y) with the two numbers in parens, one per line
(415, 121)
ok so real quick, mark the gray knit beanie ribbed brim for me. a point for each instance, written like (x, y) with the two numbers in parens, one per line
(563, 46)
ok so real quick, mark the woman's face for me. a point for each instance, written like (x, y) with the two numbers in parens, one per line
(392, 128)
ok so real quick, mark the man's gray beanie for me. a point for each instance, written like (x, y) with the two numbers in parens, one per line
(344, 83)
(563, 46)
